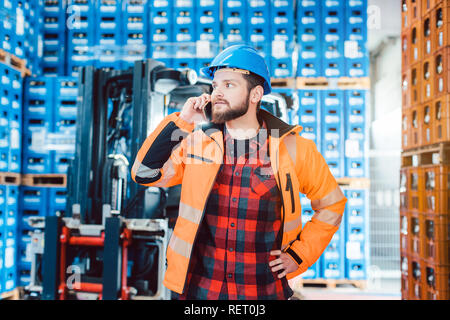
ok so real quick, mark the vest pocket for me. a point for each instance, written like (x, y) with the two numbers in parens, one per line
(262, 182)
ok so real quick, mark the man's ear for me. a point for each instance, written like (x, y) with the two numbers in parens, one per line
(256, 94)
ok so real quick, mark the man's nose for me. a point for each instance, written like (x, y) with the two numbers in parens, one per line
(217, 92)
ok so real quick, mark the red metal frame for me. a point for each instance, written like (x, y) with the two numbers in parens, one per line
(67, 239)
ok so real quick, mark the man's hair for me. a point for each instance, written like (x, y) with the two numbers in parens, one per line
(254, 80)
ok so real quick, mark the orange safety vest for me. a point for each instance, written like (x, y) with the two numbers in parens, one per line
(195, 163)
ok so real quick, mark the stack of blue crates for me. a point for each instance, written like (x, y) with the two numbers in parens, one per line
(315, 271)
(53, 59)
(80, 26)
(356, 234)
(347, 255)
(12, 41)
(282, 38)
(108, 33)
(10, 119)
(332, 38)
(9, 201)
(161, 31)
(308, 114)
(207, 32)
(135, 36)
(309, 38)
(34, 202)
(184, 34)
(332, 130)
(356, 133)
(12, 28)
(336, 120)
(50, 112)
(34, 25)
(234, 22)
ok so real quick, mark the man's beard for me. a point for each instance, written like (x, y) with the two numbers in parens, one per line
(228, 113)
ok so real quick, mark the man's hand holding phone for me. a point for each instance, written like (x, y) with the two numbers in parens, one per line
(193, 109)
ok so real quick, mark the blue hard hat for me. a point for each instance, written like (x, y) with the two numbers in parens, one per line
(242, 57)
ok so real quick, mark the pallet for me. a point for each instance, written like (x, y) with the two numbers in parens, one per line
(44, 180)
(282, 83)
(10, 178)
(11, 295)
(331, 283)
(433, 154)
(353, 183)
(343, 83)
(14, 62)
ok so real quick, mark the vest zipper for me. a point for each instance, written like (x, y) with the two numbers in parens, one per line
(290, 188)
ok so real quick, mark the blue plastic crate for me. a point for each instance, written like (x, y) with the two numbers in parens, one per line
(235, 22)
(108, 57)
(259, 35)
(355, 103)
(57, 198)
(34, 198)
(61, 162)
(161, 52)
(259, 16)
(36, 162)
(23, 257)
(34, 124)
(234, 4)
(9, 237)
(282, 21)
(9, 274)
(183, 3)
(356, 269)
(358, 67)
(208, 23)
(309, 106)
(23, 277)
(333, 269)
(311, 131)
(15, 160)
(281, 67)
(309, 24)
(235, 16)
(161, 34)
(309, 67)
(4, 159)
(26, 214)
(236, 34)
(184, 33)
(356, 167)
(183, 63)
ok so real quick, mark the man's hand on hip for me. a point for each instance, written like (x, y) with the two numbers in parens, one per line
(284, 262)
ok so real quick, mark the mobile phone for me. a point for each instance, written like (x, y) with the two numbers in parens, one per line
(207, 110)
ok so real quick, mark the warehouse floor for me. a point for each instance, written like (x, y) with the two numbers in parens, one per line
(383, 290)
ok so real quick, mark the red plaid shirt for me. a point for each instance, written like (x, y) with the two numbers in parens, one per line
(241, 226)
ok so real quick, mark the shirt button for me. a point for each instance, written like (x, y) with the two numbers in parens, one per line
(232, 224)
(237, 173)
(231, 249)
(230, 276)
(234, 199)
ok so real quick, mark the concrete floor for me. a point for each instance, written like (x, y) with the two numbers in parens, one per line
(385, 289)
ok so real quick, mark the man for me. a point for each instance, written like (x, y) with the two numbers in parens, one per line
(239, 232)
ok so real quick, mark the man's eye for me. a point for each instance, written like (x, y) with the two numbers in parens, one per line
(228, 85)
